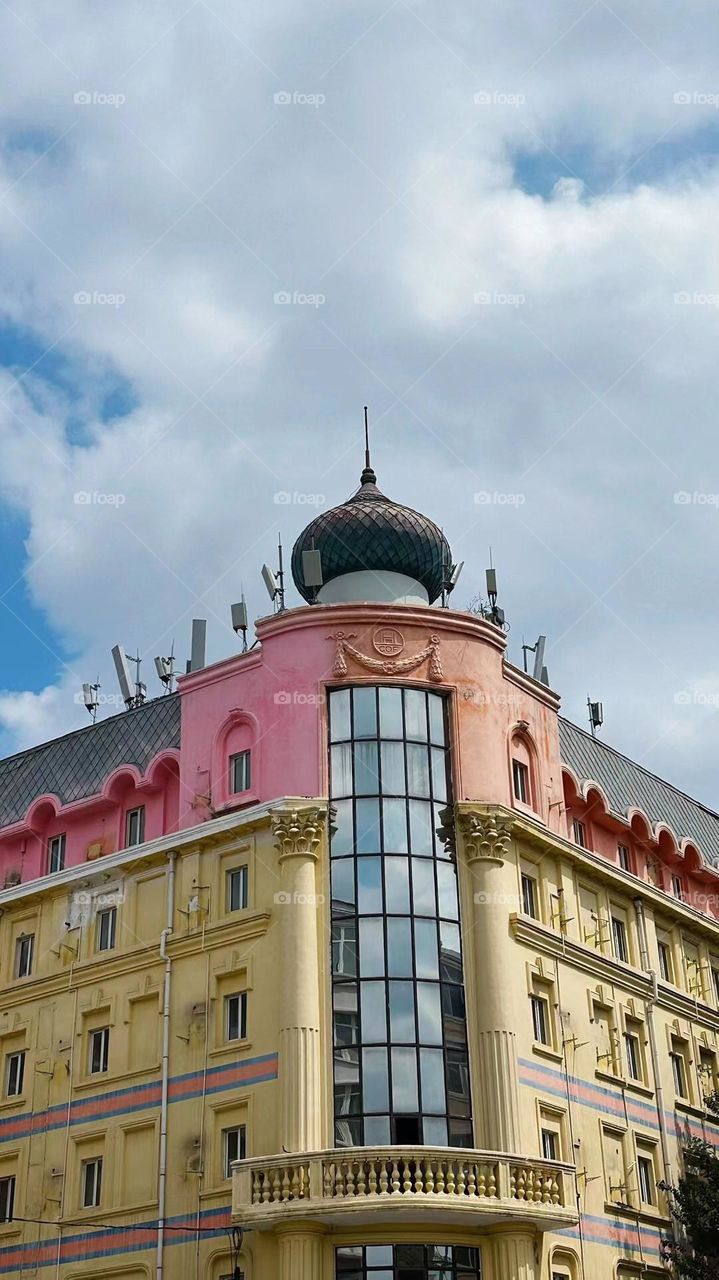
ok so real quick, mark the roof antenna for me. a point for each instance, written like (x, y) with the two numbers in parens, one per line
(368, 476)
(596, 716)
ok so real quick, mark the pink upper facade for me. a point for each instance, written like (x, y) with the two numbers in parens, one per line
(271, 702)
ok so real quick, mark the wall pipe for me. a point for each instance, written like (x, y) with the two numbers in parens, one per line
(658, 1088)
(162, 1180)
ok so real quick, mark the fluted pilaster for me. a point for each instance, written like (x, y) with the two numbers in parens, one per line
(509, 1256)
(301, 1253)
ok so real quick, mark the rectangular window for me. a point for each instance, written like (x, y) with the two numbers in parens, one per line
(7, 1199)
(520, 779)
(645, 1171)
(619, 939)
(237, 889)
(14, 1073)
(550, 1145)
(106, 926)
(707, 1072)
(134, 827)
(580, 833)
(91, 1183)
(240, 772)
(233, 1148)
(715, 983)
(236, 1017)
(677, 889)
(24, 948)
(540, 1019)
(56, 854)
(665, 961)
(529, 896)
(99, 1054)
(624, 858)
(678, 1071)
(634, 1057)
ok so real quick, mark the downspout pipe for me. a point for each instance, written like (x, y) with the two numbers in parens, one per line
(646, 966)
(167, 986)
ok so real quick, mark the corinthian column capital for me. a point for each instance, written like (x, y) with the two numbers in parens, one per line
(486, 835)
(298, 832)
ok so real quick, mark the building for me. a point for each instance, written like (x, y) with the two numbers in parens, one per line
(352, 947)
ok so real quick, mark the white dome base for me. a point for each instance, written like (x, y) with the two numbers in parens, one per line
(375, 586)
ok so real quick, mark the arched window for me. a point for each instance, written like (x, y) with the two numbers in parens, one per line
(563, 1265)
(235, 770)
(523, 766)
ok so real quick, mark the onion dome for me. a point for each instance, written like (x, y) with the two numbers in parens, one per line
(391, 551)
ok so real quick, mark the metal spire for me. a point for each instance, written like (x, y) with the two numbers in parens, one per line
(368, 476)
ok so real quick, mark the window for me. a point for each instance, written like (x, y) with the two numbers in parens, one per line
(106, 926)
(91, 1183)
(134, 827)
(7, 1199)
(707, 1072)
(634, 1058)
(679, 1072)
(99, 1050)
(529, 896)
(619, 939)
(56, 854)
(24, 948)
(520, 780)
(677, 888)
(715, 982)
(237, 889)
(233, 1148)
(665, 961)
(540, 1019)
(550, 1144)
(240, 772)
(624, 858)
(645, 1179)
(236, 1017)
(580, 833)
(14, 1073)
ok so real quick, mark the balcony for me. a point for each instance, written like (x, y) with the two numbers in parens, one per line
(403, 1184)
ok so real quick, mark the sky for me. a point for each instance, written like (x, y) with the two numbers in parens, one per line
(225, 228)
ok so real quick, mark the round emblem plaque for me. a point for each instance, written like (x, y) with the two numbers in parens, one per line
(388, 641)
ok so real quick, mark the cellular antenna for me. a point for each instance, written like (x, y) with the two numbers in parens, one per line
(90, 698)
(596, 716)
(275, 582)
(133, 694)
(239, 620)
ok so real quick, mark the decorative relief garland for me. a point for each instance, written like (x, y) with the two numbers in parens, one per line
(387, 666)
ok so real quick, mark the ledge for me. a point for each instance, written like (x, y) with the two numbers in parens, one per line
(395, 1185)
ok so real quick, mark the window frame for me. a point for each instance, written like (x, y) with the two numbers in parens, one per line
(241, 998)
(624, 858)
(241, 1131)
(530, 895)
(243, 871)
(91, 1171)
(244, 756)
(56, 845)
(108, 943)
(541, 1021)
(7, 1195)
(15, 1055)
(24, 955)
(620, 938)
(137, 814)
(521, 782)
(579, 833)
(98, 1037)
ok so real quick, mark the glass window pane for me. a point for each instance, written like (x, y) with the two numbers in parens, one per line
(404, 1080)
(453, 1010)
(401, 1012)
(371, 941)
(434, 1132)
(376, 1132)
(429, 1013)
(365, 712)
(439, 849)
(368, 838)
(343, 886)
(396, 885)
(423, 887)
(341, 767)
(375, 1085)
(366, 772)
(393, 779)
(460, 1133)
(431, 1066)
(439, 774)
(379, 1255)
(436, 718)
(390, 713)
(369, 885)
(449, 952)
(344, 1004)
(340, 714)
(374, 1013)
(399, 948)
(342, 842)
(415, 714)
(447, 887)
(458, 1082)
(420, 826)
(417, 771)
(347, 1095)
(394, 815)
(425, 948)
(344, 948)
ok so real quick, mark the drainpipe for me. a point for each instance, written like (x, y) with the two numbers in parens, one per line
(162, 1181)
(646, 966)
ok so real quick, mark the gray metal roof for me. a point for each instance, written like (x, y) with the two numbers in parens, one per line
(627, 785)
(76, 765)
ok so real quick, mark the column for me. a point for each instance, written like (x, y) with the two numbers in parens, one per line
(492, 1007)
(509, 1256)
(301, 1252)
(298, 836)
